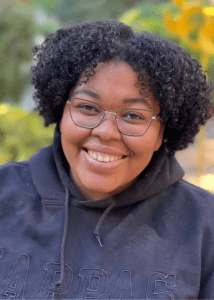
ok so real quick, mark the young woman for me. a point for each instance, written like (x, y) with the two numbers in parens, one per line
(103, 212)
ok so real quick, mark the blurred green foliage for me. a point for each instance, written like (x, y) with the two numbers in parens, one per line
(72, 11)
(20, 25)
(22, 133)
(15, 34)
(147, 17)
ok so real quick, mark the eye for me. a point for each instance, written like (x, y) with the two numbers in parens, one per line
(134, 117)
(87, 107)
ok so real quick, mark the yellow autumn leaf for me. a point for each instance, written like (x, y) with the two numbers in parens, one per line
(169, 23)
(194, 45)
(206, 36)
(185, 5)
(180, 3)
(206, 45)
(184, 24)
(209, 11)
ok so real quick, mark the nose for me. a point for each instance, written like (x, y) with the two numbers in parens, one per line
(107, 129)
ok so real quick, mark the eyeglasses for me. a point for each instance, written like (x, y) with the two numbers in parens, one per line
(87, 114)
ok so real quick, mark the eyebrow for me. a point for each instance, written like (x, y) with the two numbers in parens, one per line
(128, 100)
(137, 100)
(89, 93)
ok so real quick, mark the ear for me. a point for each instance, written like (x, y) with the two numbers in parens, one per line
(160, 137)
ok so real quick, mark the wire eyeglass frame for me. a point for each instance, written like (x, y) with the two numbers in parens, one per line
(110, 112)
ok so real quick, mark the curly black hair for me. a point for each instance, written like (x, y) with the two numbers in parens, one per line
(176, 79)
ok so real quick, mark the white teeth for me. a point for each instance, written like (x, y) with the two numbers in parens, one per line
(106, 159)
(101, 158)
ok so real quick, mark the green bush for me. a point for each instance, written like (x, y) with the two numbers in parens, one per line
(22, 133)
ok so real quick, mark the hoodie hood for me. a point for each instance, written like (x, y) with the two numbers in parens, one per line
(162, 172)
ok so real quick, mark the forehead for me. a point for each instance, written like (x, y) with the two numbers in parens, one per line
(115, 80)
(114, 72)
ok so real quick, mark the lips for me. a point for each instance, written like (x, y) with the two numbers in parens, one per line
(104, 154)
(102, 157)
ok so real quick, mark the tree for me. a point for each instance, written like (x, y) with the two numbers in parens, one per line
(20, 23)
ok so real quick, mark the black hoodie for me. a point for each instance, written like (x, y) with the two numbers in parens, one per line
(153, 241)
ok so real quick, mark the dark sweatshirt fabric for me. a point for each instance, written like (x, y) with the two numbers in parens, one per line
(153, 241)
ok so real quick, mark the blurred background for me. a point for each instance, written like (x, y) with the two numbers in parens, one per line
(24, 23)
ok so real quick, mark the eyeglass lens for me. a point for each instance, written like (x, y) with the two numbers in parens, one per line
(88, 114)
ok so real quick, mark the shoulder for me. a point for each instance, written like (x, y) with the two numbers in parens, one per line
(193, 193)
(16, 189)
(15, 176)
(191, 202)
(15, 173)
(20, 177)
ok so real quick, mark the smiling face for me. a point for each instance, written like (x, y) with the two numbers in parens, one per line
(104, 162)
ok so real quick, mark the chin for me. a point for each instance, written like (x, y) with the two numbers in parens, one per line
(100, 189)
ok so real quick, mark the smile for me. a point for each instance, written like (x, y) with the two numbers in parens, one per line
(104, 157)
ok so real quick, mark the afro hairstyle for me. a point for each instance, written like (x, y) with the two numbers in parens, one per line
(176, 80)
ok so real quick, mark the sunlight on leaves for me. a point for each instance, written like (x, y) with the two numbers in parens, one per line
(130, 16)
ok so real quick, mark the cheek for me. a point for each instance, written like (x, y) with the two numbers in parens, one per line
(145, 145)
(70, 133)
(72, 139)
(159, 139)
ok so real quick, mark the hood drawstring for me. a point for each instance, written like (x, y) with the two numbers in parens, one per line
(96, 233)
(65, 230)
